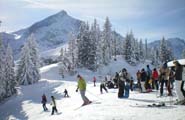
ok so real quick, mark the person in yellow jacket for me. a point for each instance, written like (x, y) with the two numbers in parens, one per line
(82, 87)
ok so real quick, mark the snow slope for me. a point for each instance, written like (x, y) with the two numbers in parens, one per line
(27, 104)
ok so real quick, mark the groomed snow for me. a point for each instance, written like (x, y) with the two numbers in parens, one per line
(27, 104)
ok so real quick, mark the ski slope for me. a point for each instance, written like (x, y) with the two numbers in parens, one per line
(106, 106)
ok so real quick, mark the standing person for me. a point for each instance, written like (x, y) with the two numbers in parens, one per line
(102, 86)
(44, 101)
(124, 76)
(178, 80)
(121, 84)
(82, 87)
(164, 73)
(148, 73)
(66, 93)
(171, 78)
(53, 103)
(155, 77)
(131, 83)
(116, 80)
(94, 81)
(143, 80)
(138, 75)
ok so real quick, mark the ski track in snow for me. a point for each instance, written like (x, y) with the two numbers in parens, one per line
(27, 104)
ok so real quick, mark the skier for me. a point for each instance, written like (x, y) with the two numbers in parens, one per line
(124, 76)
(148, 73)
(143, 80)
(138, 75)
(53, 103)
(82, 87)
(102, 86)
(178, 80)
(94, 81)
(66, 93)
(155, 77)
(44, 101)
(164, 73)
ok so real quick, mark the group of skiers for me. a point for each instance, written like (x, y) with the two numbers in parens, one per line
(147, 80)
(53, 104)
(164, 76)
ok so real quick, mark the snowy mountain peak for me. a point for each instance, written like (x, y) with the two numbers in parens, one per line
(62, 12)
(49, 33)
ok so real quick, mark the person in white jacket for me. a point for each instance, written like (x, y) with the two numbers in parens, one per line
(53, 103)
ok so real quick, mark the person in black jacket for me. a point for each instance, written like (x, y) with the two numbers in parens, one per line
(178, 80)
(44, 101)
(143, 80)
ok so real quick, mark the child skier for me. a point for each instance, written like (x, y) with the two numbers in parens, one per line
(66, 93)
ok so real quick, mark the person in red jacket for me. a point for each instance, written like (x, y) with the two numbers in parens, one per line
(155, 77)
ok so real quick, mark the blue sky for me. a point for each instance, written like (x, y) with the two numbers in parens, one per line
(151, 19)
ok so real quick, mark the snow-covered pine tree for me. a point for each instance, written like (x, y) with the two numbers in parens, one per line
(9, 73)
(28, 72)
(98, 43)
(114, 45)
(2, 73)
(25, 66)
(165, 54)
(94, 39)
(34, 56)
(136, 50)
(183, 54)
(72, 49)
(127, 48)
(170, 55)
(141, 50)
(84, 46)
(106, 42)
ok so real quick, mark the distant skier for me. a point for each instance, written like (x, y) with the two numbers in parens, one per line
(94, 81)
(66, 93)
(44, 101)
(82, 87)
(102, 86)
(53, 103)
